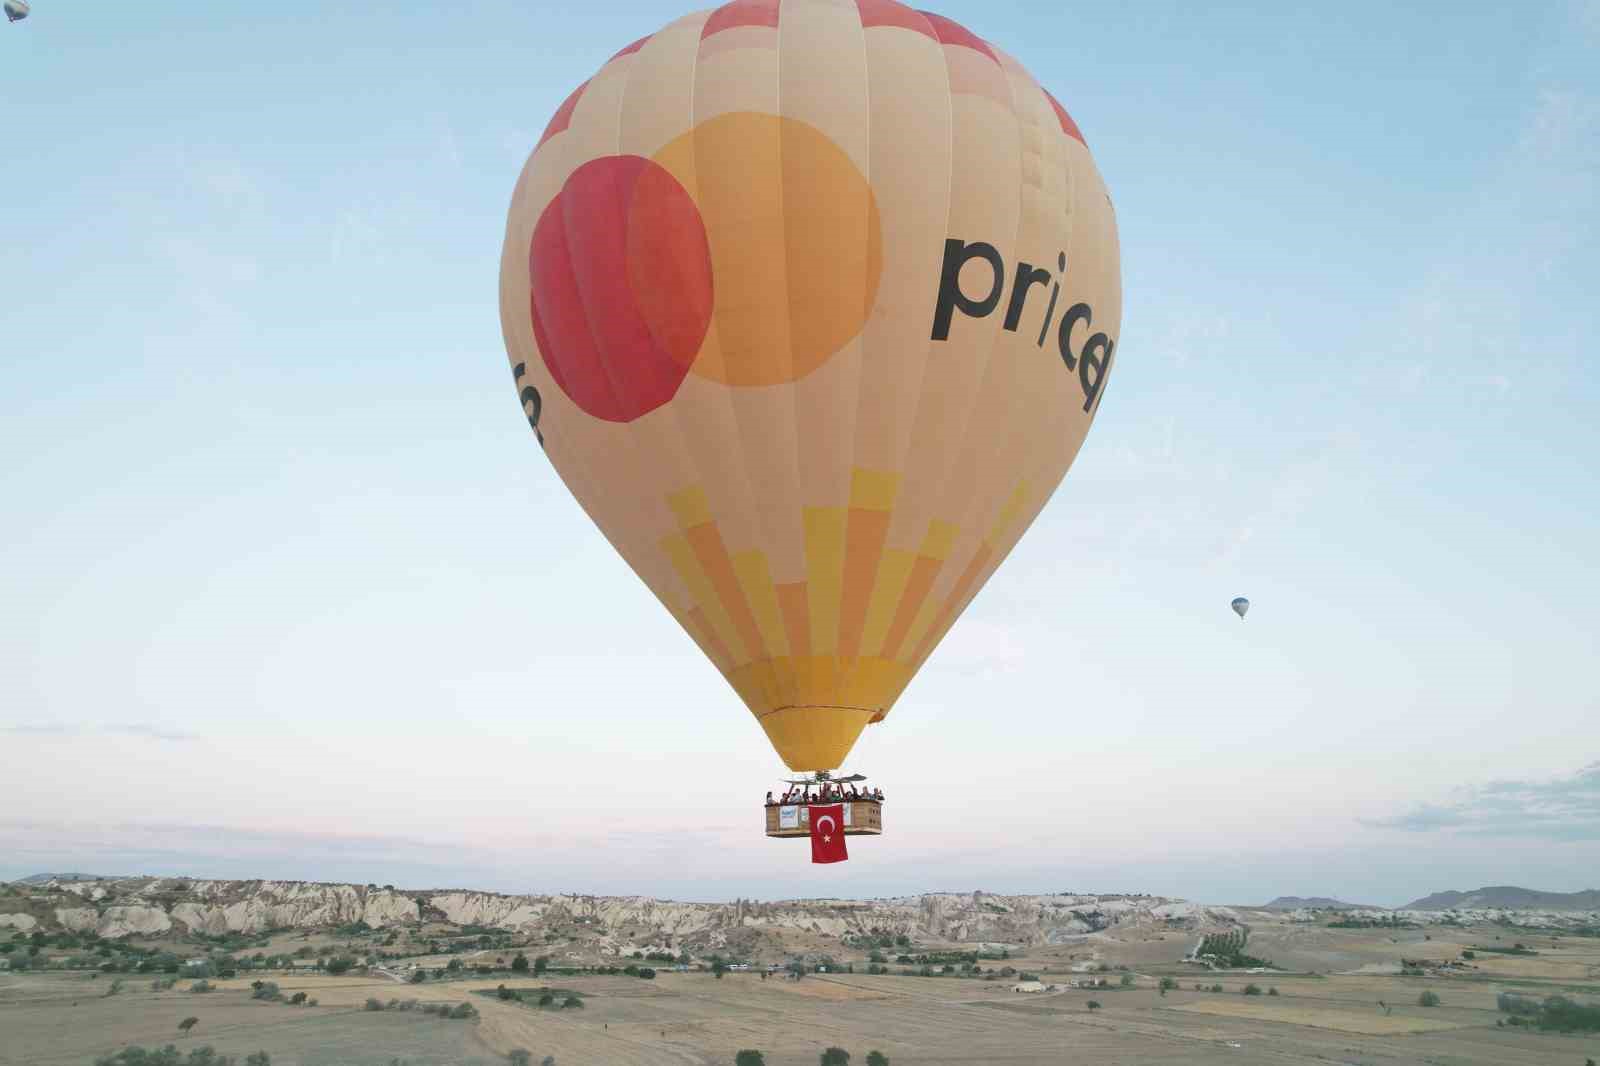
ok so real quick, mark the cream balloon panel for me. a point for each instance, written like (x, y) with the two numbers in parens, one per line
(830, 477)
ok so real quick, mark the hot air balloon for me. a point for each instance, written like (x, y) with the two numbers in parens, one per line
(811, 303)
(16, 10)
(1240, 605)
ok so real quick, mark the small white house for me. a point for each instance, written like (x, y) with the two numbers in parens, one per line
(1028, 986)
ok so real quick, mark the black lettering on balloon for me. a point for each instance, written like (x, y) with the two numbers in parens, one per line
(1075, 314)
(532, 403)
(1055, 290)
(957, 254)
(1027, 277)
(1097, 354)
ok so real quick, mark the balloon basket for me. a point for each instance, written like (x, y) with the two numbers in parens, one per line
(862, 818)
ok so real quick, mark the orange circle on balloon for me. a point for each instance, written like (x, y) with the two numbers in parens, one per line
(796, 244)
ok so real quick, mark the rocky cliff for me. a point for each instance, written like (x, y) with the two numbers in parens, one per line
(157, 906)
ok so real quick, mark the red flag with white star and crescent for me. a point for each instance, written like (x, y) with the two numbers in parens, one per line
(827, 834)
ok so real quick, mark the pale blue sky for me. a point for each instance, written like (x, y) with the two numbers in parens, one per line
(289, 591)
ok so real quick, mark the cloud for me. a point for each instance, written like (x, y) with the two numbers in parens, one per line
(128, 729)
(1563, 808)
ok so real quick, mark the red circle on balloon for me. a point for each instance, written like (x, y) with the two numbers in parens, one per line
(620, 270)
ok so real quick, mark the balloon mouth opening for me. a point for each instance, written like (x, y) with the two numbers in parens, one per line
(812, 738)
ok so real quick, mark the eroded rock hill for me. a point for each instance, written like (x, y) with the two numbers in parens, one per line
(141, 906)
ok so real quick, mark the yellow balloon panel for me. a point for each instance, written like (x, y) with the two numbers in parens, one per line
(811, 305)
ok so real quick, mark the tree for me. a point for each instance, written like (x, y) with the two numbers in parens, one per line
(1168, 984)
(749, 1057)
(1428, 999)
(835, 1056)
(297, 999)
(1127, 981)
(342, 964)
(520, 963)
(572, 1001)
(1094, 1004)
(520, 1056)
(877, 1058)
(1252, 990)
(417, 977)
(200, 986)
(454, 966)
(187, 1024)
(546, 998)
(718, 968)
(1272, 991)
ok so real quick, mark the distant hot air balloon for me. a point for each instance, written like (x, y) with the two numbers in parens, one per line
(1240, 605)
(811, 305)
(16, 10)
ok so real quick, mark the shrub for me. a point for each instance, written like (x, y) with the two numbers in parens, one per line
(297, 999)
(1217, 988)
(188, 1023)
(835, 1056)
(572, 1001)
(374, 1004)
(463, 1010)
(260, 1058)
(1272, 991)
(1428, 999)
(1252, 990)
(1094, 1004)
(546, 998)
(1168, 984)
(1469, 954)
(417, 977)
(267, 990)
(877, 1058)
(520, 963)
(519, 1056)
(1127, 981)
(749, 1057)
(201, 986)
(1514, 1004)
(341, 964)
(647, 973)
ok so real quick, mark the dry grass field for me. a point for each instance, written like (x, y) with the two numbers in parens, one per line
(694, 1019)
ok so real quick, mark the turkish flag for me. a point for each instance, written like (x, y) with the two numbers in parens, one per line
(827, 834)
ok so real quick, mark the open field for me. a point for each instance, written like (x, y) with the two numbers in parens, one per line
(692, 1019)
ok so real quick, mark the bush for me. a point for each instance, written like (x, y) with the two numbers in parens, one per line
(342, 964)
(1272, 991)
(546, 998)
(572, 1001)
(201, 986)
(1469, 954)
(877, 1058)
(835, 1056)
(1168, 984)
(417, 977)
(647, 973)
(260, 1058)
(520, 963)
(1094, 1004)
(463, 1011)
(374, 1003)
(1428, 999)
(188, 1023)
(519, 1056)
(1217, 988)
(297, 999)
(1252, 990)
(749, 1057)
(267, 990)
(1514, 1004)
(1127, 981)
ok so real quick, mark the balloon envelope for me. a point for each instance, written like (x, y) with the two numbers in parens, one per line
(811, 305)
(1240, 606)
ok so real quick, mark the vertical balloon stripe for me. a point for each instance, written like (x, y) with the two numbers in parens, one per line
(755, 579)
(930, 560)
(702, 592)
(957, 596)
(713, 557)
(867, 526)
(709, 636)
(825, 565)
(888, 585)
(794, 600)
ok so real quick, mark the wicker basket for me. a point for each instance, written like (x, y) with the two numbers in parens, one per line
(862, 818)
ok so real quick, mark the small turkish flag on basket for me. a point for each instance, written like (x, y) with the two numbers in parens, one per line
(827, 834)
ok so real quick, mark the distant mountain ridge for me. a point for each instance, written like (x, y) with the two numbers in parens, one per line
(1508, 897)
(45, 879)
(1294, 903)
